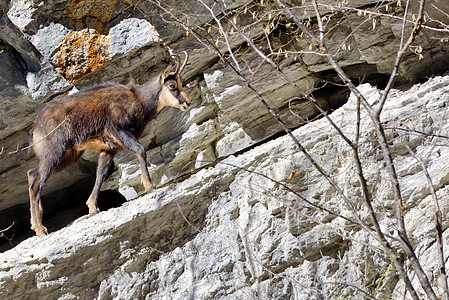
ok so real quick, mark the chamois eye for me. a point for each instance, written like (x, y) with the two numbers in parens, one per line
(171, 84)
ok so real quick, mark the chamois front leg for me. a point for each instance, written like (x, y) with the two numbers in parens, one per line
(130, 142)
(104, 161)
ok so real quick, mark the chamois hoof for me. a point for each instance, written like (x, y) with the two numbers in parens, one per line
(41, 231)
(148, 187)
(93, 212)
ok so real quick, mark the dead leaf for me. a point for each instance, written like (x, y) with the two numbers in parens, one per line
(292, 174)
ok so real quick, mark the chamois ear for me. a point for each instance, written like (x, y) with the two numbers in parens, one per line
(174, 70)
(169, 71)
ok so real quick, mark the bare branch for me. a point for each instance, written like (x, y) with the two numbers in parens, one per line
(438, 222)
(401, 53)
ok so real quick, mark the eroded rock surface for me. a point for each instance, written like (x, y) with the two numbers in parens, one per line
(229, 233)
(235, 234)
(90, 43)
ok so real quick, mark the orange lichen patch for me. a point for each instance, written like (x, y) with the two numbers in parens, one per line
(81, 53)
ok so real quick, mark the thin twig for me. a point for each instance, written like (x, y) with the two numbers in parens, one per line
(66, 118)
(438, 222)
(2, 234)
(6, 229)
(401, 54)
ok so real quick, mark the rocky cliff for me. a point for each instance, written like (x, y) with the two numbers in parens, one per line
(226, 220)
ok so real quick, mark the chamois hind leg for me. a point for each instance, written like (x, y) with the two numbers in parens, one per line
(104, 161)
(130, 142)
(33, 182)
(36, 179)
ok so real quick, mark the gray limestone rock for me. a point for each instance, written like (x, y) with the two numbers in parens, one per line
(213, 229)
(228, 233)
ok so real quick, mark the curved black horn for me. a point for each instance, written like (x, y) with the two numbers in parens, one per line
(185, 61)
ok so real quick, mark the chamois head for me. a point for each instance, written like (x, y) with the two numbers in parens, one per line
(172, 93)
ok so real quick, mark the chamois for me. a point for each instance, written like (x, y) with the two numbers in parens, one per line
(107, 117)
